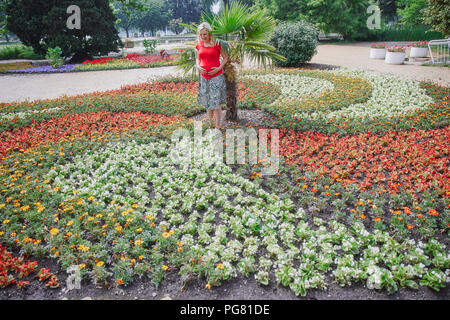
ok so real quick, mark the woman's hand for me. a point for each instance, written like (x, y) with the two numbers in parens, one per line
(201, 69)
(214, 70)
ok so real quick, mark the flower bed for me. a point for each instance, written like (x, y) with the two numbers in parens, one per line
(46, 69)
(360, 102)
(131, 61)
(89, 181)
(4, 67)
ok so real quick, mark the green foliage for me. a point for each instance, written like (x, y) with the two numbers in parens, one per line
(174, 25)
(155, 15)
(297, 41)
(54, 54)
(411, 12)
(401, 33)
(42, 24)
(437, 14)
(18, 52)
(149, 46)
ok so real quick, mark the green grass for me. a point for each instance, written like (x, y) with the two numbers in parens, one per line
(445, 65)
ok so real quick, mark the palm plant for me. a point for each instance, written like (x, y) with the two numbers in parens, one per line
(242, 32)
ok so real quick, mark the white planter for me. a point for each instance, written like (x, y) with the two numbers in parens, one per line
(377, 53)
(395, 57)
(418, 52)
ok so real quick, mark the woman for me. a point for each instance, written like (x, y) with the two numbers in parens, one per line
(211, 90)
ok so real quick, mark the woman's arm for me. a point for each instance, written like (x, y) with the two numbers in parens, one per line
(197, 63)
(222, 64)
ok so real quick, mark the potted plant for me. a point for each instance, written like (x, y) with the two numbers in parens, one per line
(395, 55)
(378, 51)
(419, 49)
(128, 43)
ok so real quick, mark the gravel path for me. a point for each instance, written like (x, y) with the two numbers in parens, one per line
(356, 56)
(48, 86)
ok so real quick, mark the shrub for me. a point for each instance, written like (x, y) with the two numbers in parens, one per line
(18, 52)
(54, 54)
(297, 41)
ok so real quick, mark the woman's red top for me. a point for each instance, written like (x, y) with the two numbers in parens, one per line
(209, 58)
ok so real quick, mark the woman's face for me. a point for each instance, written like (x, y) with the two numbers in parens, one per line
(204, 35)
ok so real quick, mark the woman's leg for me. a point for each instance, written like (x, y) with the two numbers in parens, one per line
(211, 116)
(218, 115)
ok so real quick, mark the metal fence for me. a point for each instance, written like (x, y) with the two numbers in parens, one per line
(439, 51)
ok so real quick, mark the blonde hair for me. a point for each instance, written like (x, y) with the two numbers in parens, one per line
(204, 26)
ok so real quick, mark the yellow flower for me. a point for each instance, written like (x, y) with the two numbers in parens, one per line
(164, 267)
(100, 263)
(54, 231)
(141, 257)
(81, 266)
(166, 234)
(69, 223)
(6, 221)
(2, 205)
(134, 205)
(138, 242)
(208, 286)
(220, 266)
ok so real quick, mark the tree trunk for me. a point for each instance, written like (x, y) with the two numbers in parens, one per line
(231, 100)
(230, 81)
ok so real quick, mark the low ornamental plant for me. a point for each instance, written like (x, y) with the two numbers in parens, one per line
(419, 44)
(54, 55)
(396, 49)
(378, 46)
(10, 265)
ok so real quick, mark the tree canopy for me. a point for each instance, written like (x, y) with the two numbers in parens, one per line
(42, 24)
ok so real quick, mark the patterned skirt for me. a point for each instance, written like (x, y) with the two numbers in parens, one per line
(212, 92)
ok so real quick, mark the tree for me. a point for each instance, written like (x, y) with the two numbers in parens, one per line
(42, 24)
(388, 10)
(348, 17)
(126, 16)
(3, 30)
(411, 12)
(437, 14)
(242, 32)
(188, 10)
(285, 10)
(155, 15)
(174, 25)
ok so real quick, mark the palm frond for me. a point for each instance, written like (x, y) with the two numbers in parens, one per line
(229, 21)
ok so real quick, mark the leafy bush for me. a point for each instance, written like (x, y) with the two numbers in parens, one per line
(54, 54)
(18, 52)
(297, 41)
(150, 46)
